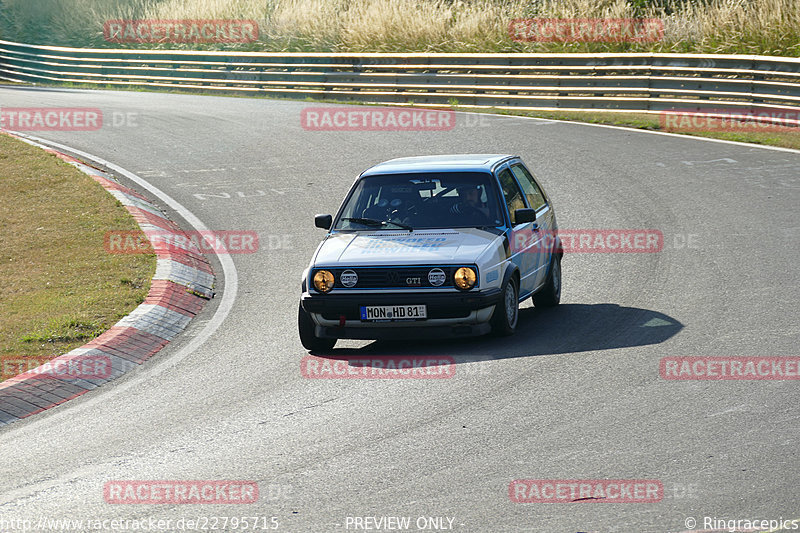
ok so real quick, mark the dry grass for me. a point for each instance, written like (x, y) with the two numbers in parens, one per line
(58, 287)
(770, 27)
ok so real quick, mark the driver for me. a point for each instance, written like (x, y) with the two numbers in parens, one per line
(469, 200)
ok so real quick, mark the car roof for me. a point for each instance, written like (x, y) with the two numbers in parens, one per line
(438, 163)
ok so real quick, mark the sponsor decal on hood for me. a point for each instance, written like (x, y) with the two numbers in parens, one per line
(415, 247)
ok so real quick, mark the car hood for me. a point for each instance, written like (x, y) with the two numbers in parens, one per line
(418, 247)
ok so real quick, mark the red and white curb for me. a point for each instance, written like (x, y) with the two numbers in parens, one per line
(182, 283)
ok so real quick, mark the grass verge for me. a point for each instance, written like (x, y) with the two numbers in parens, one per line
(786, 138)
(59, 288)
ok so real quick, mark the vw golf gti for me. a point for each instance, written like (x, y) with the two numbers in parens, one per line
(432, 246)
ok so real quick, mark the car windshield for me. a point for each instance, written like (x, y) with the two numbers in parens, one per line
(421, 201)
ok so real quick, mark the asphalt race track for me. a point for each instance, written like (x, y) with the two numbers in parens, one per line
(575, 394)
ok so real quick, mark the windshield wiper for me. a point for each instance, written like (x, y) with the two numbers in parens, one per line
(375, 223)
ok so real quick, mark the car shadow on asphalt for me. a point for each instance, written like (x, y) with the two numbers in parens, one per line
(566, 329)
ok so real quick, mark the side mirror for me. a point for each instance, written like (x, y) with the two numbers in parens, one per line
(323, 221)
(521, 216)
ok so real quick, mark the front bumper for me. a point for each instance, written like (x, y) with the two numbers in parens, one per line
(453, 314)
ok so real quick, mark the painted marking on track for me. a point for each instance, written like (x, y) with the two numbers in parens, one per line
(656, 322)
(242, 194)
(206, 196)
(738, 409)
(725, 159)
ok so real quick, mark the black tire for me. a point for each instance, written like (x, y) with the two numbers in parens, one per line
(550, 294)
(506, 312)
(308, 339)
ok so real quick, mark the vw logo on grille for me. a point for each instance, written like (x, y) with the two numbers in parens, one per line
(393, 278)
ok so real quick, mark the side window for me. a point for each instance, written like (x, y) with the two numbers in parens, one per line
(532, 191)
(511, 192)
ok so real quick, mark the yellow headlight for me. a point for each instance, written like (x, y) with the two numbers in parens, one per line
(465, 278)
(323, 281)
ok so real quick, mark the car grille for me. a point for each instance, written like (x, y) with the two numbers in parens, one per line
(395, 277)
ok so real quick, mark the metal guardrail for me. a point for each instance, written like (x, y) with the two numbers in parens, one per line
(632, 82)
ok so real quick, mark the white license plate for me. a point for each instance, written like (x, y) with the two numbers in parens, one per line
(393, 312)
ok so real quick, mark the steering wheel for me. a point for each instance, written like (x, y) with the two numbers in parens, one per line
(473, 213)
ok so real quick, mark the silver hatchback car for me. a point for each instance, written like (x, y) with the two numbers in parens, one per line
(432, 246)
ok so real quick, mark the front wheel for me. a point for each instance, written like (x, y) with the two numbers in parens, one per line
(308, 338)
(506, 312)
(550, 294)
